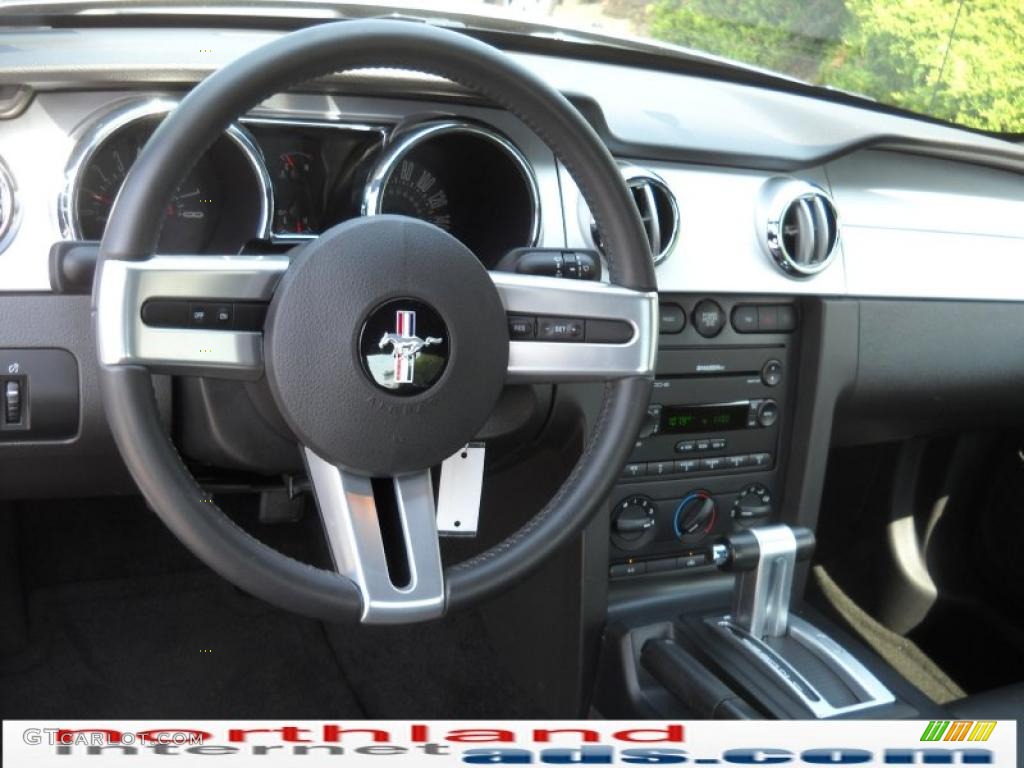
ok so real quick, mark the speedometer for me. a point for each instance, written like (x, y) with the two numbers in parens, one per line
(464, 178)
(414, 191)
(203, 214)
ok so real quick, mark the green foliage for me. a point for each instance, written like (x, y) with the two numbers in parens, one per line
(896, 51)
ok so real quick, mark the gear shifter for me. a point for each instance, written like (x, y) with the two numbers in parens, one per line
(764, 560)
(794, 659)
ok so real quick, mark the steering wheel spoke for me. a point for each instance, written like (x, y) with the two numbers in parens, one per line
(148, 311)
(582, 330)
(387, 546)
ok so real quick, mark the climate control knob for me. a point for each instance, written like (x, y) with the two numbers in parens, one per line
(633, 522)
(695, 515)
(753, 504)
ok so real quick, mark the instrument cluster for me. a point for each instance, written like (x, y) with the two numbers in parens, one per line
(282, 180)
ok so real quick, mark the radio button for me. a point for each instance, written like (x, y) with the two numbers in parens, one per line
(687, 466)
(704, 444)
(710, 465)
(708, 318)
(634, 469)
(738, 461)
(719, 444)
(686, 446)
(659, 468)
(787, 317)
(760, 459)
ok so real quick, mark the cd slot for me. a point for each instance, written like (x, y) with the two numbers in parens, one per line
(712, 362)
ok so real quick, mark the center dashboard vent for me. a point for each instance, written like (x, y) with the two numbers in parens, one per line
(802, 226)
(658, 212)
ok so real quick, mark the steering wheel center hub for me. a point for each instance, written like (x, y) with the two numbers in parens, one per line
(386, 345)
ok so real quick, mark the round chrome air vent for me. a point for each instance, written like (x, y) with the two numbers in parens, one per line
(8, 206)
(801, 226)
(658, 210)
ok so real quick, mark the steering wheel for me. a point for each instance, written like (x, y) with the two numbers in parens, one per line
(320, 345)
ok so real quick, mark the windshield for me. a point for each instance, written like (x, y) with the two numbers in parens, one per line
(956, 60)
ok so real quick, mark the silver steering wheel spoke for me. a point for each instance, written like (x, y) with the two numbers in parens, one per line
(183, 283)
(611, 332)
(405, 587)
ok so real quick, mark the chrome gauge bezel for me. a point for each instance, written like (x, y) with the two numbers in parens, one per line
(94, 136)
(373, 196)
(10, 208)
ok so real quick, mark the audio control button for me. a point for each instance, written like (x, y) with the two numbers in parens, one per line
(686, 446)
(659, 468)
(771, 373)
(671, 318)
(634, 469)
(719, 444)
(687, 466)
(767, 413)
(760, 459)
(737, 462)
(711, 465)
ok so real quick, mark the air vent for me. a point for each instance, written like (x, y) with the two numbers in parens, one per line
(802, 232)
(658, 212)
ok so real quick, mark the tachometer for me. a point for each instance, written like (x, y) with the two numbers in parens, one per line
(203, 215)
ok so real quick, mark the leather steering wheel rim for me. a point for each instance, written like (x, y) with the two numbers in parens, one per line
(132, 233)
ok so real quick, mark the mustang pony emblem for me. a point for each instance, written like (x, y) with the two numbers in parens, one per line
(405, 345)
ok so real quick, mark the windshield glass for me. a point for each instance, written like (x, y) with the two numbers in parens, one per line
(957, 60)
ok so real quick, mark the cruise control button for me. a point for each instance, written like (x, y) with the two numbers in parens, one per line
(744, 319)
(170, 313)
(560, 329)
(671, 318)
(521, 327)
(223, 315)
(708, 318)
(200, 314)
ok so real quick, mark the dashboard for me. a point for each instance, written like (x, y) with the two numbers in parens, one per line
(816, 261)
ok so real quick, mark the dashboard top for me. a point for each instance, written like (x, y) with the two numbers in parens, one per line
(705, 121)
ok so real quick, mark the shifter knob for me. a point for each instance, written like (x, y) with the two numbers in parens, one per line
(741, 551)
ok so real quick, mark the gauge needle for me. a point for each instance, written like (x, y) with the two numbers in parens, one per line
(98, 197)
(190, 194)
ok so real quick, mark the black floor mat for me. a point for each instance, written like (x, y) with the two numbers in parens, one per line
(124, 622)
(177, 646)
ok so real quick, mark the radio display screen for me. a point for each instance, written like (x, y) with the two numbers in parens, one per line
(679, 419)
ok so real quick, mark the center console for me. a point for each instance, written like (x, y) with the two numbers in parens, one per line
(705, 616)
(712, 452)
